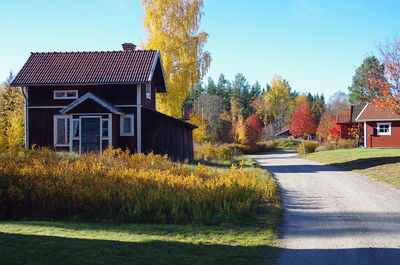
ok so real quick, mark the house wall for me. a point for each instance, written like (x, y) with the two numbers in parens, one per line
(344, 130)
(115, 94)
(375, 140)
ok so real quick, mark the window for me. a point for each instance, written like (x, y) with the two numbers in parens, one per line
(75, 129)
(384, 128)
(61, 127)
(126, 125)
(104, 127)
(148, 91)
(65, 94)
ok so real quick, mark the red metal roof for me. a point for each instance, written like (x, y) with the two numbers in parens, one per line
(375, 113)
(60, 68)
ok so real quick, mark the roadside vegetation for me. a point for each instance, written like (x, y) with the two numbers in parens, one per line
(134, 209)
(380, 164)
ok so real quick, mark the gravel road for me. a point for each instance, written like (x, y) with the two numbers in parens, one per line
(333, 216)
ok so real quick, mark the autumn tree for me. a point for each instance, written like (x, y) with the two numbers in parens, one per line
(370, 67)
(11, 116)
(326, 123)
(278, 100)
(254, 128)
(337, 103)
(200, 134)
(241, 131)
(386, 92)
(173, 27)
(303, 122)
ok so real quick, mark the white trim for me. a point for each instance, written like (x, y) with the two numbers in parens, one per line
(55, 131)
(365, 135)
(26, 115)
(65, 96)
(46, 107)
(384, 133)
(121, 125)
(358, 116)
(110, 131)
(61, 107)
(148, 93)
(90, 95)
(126, 106)
(372, 120)
(80, 132)
(153, 67)
(139, 118)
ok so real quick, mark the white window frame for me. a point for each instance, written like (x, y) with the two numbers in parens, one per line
(148, 91)
(383, 124)
(55, 132)
(65, 94)
(121, 125)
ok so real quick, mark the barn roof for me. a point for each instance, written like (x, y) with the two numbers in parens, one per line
(374, 113)
(89, 68)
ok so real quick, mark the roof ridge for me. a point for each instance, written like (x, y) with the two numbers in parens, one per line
(69, 52)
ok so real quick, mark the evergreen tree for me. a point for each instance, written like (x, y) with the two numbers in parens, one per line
(360, 85)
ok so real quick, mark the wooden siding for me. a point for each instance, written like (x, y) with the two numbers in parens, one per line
(163, 135)
(41, 127)
(375, 140)
(115, 94)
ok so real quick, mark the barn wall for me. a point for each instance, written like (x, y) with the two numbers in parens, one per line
(162, 135)
(375, 140)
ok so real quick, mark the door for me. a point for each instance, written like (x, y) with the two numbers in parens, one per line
(90, 134)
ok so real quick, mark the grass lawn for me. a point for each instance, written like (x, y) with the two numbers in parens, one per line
(381, 164)
(41, 242)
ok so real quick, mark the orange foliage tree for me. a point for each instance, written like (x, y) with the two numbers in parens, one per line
(386, 92)
(303, 122)
(254, 128)
(327, 122)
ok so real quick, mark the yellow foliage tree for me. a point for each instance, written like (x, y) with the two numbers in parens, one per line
(11, 117)
(200, 134)
(172, 26)
(241, 131)
(278, 102)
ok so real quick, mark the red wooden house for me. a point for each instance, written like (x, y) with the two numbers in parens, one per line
(346, 120)
(381, 126)
(87, 101)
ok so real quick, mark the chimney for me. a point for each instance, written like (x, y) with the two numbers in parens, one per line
(129, 47)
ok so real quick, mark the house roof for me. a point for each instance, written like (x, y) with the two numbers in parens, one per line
(349, 116)
(374, 113)
(95, 98)
(282, 132)
(88, 68)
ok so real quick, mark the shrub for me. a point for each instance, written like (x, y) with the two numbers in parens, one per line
(213, 152)
(288, 143)
(338, 144)
(307, 147)
(121, 187)
(272, 144)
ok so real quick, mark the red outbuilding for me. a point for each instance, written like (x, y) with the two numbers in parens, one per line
(381, 126)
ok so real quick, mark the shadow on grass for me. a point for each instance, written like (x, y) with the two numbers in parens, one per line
(32, 249)
(43, 250)
(365, 163)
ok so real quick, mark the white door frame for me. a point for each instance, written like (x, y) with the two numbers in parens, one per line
(100, 132)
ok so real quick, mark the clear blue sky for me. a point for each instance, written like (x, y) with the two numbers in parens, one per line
(315, 44)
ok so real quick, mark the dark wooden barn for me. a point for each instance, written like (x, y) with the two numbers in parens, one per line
(88, 101)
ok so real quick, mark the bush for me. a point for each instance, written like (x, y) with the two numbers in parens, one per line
(307, 147)
(121, 187)
(338, 144)
(288, 143)
(213, 152)
(268, 145)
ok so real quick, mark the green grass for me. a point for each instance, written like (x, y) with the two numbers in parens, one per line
(39, 242)
(380, 164)
(87, 243)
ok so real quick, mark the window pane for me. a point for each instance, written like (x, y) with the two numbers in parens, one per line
(60, 94)
(105, 128)
(71, 94)
(127, 125)
(75, 129)
(61, 130)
